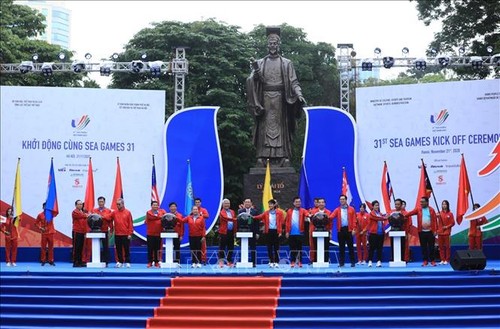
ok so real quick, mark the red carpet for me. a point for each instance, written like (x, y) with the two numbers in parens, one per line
(218, 302)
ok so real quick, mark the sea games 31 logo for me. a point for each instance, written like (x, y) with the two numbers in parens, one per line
(438, 120)
(80, 124)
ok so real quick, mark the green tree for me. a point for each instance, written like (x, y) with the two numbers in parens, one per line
(474, 24)
(18, 26)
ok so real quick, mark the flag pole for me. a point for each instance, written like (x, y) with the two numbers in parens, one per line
(433, 194)
(393, 196)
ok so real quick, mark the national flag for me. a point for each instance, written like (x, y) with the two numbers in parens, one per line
(89, 189)
(51, 208)
(463, 191)
(386, 188)
(267, 191)
(118, 192)
(304, 193)
(345, 187)
(189, 195)
(16, 197)
(424, 187)
(154, 191)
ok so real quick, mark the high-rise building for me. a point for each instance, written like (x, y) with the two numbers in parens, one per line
(57, 21)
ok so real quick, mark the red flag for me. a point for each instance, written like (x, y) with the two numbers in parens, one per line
(89, 191)
(345, 187)
(424, 187)
(463, 191)
(154, 191)
(118, 192)
(386, 188)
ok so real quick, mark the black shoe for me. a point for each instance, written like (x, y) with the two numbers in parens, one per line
(76, 265)
(341, 265)
(52, 264)
(42, 263)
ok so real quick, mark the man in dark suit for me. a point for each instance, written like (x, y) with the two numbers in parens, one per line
(252, 243)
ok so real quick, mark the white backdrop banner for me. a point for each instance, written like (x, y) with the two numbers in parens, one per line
(71, 125)
(436, 122)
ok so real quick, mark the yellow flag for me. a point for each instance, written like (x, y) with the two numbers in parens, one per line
(16, 198)
(267, 192)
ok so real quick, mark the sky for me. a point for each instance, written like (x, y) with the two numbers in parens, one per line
(104, 27)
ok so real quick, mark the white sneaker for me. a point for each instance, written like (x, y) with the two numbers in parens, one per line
(271, 264)
(14, 264)
(193, 265)
(198, 265)
(128, 265)
(118, 264)
(441, 263)
(379, 264)
(8, 264)
(363, 263)
(370, 264)
(358, 263)
(445, 263)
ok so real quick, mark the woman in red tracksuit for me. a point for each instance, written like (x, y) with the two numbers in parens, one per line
(197, 233)
(377, 233)
(10, 230)
(362, 221)
(475, 233)
(273, 220)
(445, 223)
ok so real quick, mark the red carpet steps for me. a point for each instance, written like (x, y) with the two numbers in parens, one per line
(218, 302)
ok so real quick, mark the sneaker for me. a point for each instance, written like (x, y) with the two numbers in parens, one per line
(425, 263)
(379, 264)
(14, 264)
(221, 264)
(52, 264)
(198, 265)
(193, 265)
(118, 265)
(42, 263)
(300, 264)
(157, 265)
(363, 262)
(230, 264)
(292, 264)
(9, 264)
(128, 265)
(149, 265)
(441, 263)
(445, 263)
(433, 263)
(358, 263)
(353, 265)
(271, 264)
(370, 264)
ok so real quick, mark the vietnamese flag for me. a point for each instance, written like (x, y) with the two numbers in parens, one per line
(118, 192)
(463, 191)
(89, 191)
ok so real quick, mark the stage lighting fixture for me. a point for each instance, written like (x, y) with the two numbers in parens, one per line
(78, 66)
(420, 64)
(105, 68)
(366, 65)
(377, 51)
(47, 69)
(433, 51)
(144, 56)
(155, 68)
(405, 51)
(35, 57)
(26, 66)
(461, 50)
(61, 56)
(88, 56)
(388, 62)
(443, 61)
(489, 49)
(136, 66)
(476, 62)
(115, 56)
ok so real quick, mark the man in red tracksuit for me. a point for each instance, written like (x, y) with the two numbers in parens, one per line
(362, 221)
(124, 228)
(203, 213)
(107, 224)
(312, 241)
(179, 229)
(294, 228)
(273, 220)
(80, 228)
(346, 228)
(197, 233)
(227, 232)
(475, 233)
(153, 230)
(47, 229)
(427, 228)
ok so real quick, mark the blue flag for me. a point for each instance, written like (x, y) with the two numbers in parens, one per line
(189, 199)
(304, 194)
(51, 208)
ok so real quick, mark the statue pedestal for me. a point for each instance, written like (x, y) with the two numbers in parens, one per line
(244, 236)
(96, 249)
(320, 248)
(396, 237)
(284, 182)
(169, 249)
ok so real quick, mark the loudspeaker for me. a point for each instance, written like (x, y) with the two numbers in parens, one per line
(468, 260)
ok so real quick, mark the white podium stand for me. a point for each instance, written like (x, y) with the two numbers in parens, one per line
(96, 249)
(244, 236)
(396, 236)
(169, 249)
(320, 248)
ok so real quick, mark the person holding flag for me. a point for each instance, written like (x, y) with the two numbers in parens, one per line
(9, 228)
(153, 223)
(346, 228)
(475, 233)
(47, 229)
(445, 223)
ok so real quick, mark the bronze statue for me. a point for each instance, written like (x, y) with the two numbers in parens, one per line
(275, 100)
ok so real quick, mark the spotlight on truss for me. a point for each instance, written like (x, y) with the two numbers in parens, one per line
(489, 49)
(26, 66)
(35, 57)
(366, 65)
(88, 56)
(420, 64)
(61, 56)
(136, 66)
(105, 69)
(47, 69)
(388, 62)
(114, 56)
(377, 51)
(405, 51)
(78, 66)
(476, 62)
(155, 68)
